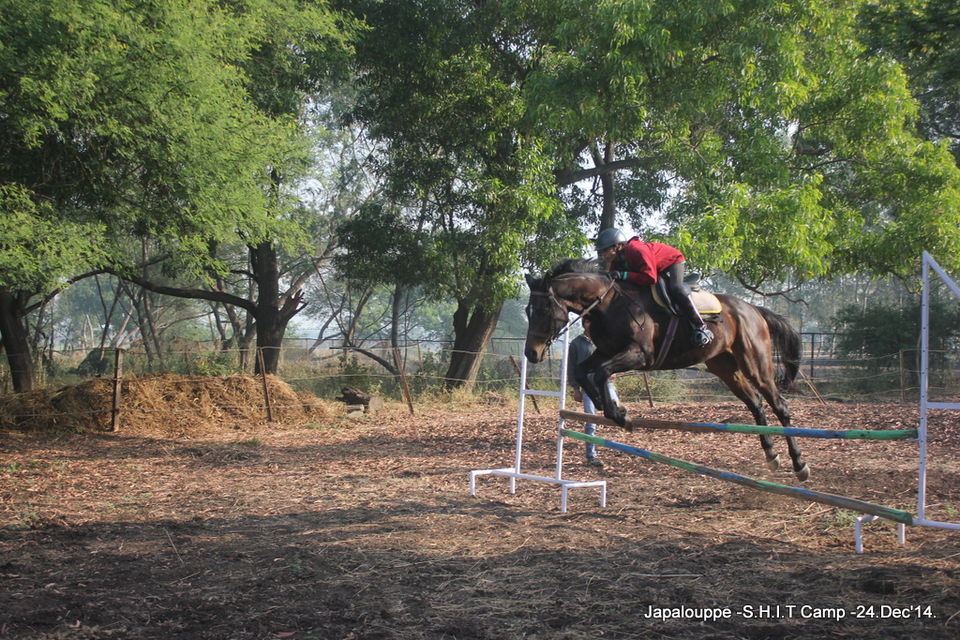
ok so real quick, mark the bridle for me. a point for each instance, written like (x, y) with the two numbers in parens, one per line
(555, 319)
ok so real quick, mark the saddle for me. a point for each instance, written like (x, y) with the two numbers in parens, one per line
(707, 303)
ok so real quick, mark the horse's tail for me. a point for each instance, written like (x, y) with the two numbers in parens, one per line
(787, 342)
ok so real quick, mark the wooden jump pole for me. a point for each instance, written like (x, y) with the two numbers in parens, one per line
(897, 515)
(710, 427)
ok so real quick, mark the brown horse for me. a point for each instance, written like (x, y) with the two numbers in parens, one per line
(629, 330)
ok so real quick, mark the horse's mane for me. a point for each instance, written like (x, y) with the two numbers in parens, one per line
(574, 265)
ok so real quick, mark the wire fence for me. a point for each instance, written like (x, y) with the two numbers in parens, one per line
(325, 369)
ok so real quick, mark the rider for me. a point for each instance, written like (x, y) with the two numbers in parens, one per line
(644, 263)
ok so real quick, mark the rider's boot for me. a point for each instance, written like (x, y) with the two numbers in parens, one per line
(702, 336)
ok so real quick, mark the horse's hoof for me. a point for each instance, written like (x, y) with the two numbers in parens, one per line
(773, 463)
(619, 415)
(804, 473)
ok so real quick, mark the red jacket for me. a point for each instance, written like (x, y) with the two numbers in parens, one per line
(643, 261)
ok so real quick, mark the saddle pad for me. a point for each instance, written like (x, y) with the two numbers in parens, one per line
(706, 302)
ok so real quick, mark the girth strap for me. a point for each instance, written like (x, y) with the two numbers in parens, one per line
(667, 341)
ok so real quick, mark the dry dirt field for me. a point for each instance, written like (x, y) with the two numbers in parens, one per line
(215, 525)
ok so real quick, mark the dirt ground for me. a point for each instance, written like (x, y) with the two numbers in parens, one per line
(324, 527)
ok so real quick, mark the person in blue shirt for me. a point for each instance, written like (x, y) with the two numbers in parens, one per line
(580, 349)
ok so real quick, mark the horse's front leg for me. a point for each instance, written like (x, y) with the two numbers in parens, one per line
(583, 373)
(625, 361)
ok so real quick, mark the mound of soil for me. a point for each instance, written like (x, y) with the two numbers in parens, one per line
(164, 403)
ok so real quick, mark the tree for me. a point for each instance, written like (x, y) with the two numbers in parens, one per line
(923, 35)
(37, 252)
(465, 173)
(159, 124)
(879, 331)
(760, 137)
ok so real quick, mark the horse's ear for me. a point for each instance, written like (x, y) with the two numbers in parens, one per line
(534, 284)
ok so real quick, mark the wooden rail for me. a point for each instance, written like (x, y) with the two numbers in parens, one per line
(710, 427)
(897, 515)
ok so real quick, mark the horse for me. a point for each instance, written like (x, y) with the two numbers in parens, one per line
(631, 331)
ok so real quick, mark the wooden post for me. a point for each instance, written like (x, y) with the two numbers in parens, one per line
(263, 378)
(902, 378)
(646, 382)
(117, 377)
(403, 378)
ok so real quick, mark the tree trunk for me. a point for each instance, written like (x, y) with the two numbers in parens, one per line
(16, 342)
(608, 215)
(273, 311)
(472, 329)
(271, 327)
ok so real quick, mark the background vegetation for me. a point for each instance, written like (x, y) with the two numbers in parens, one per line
(243, 172)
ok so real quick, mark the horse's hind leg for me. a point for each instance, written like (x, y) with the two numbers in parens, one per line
(725, 368)
(768, 388)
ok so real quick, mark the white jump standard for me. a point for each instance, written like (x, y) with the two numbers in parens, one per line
(514, 472)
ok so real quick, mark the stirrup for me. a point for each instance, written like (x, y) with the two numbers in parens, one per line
(702, 337)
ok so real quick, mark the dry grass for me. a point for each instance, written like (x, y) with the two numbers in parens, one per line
(220, 525)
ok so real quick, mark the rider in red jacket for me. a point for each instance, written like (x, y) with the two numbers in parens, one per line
(645, 263)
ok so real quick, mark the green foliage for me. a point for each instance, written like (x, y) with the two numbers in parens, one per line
(449, 110)
(213, 363)
(155, 121)
(381, 248)
(37, 250)
(922, 35)
(762, 134)
(880, 330)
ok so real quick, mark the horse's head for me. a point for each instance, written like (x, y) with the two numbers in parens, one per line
(572, 285)
(546, 317)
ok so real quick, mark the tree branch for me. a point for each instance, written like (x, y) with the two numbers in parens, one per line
(194, 294)
(772, 294)
(50, 296)
(565, 178)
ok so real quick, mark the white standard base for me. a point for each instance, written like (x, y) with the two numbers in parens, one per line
(565, 485)
(858, 531)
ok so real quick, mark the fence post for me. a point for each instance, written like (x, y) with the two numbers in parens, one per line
(646, 382)
(263, 378)
(115, 409)
(403, 378)
(902, 378)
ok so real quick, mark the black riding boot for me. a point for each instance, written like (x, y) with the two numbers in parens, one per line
(702, 336)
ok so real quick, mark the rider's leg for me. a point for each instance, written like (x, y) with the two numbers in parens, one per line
(590, 428)
(683, 298)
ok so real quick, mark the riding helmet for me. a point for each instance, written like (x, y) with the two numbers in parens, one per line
(608, 238)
